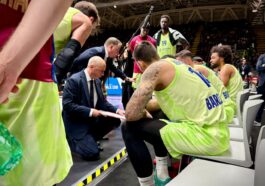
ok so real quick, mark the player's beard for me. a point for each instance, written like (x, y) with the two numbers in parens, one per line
(214, 65)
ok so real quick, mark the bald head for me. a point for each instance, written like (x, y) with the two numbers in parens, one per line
(96, 61)
(96, 67)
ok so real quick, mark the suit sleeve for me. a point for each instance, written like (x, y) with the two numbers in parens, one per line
(261, 64)
(82, 60)
(70, 101)
(116, 71)
(107, 106)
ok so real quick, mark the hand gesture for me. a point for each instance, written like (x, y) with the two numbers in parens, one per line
(121, 112)
(96, 113)
(130, 79)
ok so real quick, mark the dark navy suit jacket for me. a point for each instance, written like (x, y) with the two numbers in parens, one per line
(81, 62)
(76, 105)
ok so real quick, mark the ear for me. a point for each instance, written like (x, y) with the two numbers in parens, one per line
(92, 19)
(143, 65)
(140, 62)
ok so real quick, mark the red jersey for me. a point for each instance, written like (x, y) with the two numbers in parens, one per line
(134, 42)
(40, 68)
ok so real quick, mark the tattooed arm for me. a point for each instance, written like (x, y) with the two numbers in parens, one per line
(135, 109)
(152, 105)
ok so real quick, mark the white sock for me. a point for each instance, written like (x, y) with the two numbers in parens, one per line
(161, 167)
(147, 181)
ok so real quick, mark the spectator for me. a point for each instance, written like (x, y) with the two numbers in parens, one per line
(261, 86)
(244, 70)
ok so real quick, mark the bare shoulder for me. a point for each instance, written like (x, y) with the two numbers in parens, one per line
(229, 69)
(79, 19)
(153, 71)
(202, 70)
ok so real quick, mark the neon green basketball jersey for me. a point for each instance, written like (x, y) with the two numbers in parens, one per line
(191, 97)
(63, 31)
(235, 85)
(165, 47)
(222, 91)
(216, 83)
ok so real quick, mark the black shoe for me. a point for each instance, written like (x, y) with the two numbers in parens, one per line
(91, 158)
(100, 148)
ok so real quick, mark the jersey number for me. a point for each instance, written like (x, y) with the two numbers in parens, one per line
(206, 81)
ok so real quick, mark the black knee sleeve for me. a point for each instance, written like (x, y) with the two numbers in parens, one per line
(65, 58)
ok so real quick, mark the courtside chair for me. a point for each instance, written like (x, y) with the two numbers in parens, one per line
(207, 173)
(250, 110)
(257, 96)
(239, 151)
(241, 97)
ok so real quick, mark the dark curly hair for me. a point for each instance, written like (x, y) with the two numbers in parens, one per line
(223, 51)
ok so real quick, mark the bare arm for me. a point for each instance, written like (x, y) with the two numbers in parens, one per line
(135, 109)
(33, 31)
(82, 27)
(152, 105)
(202, 70)
(225, 75)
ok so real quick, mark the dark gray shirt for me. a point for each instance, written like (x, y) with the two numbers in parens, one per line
(260, 67)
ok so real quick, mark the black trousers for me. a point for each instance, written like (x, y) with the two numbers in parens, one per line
(127, 92)
(134, 135)
(87, 146)
(261, 90)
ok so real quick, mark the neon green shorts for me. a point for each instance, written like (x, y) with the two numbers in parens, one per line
(230, 110)
(186, 137)
(33, 116)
